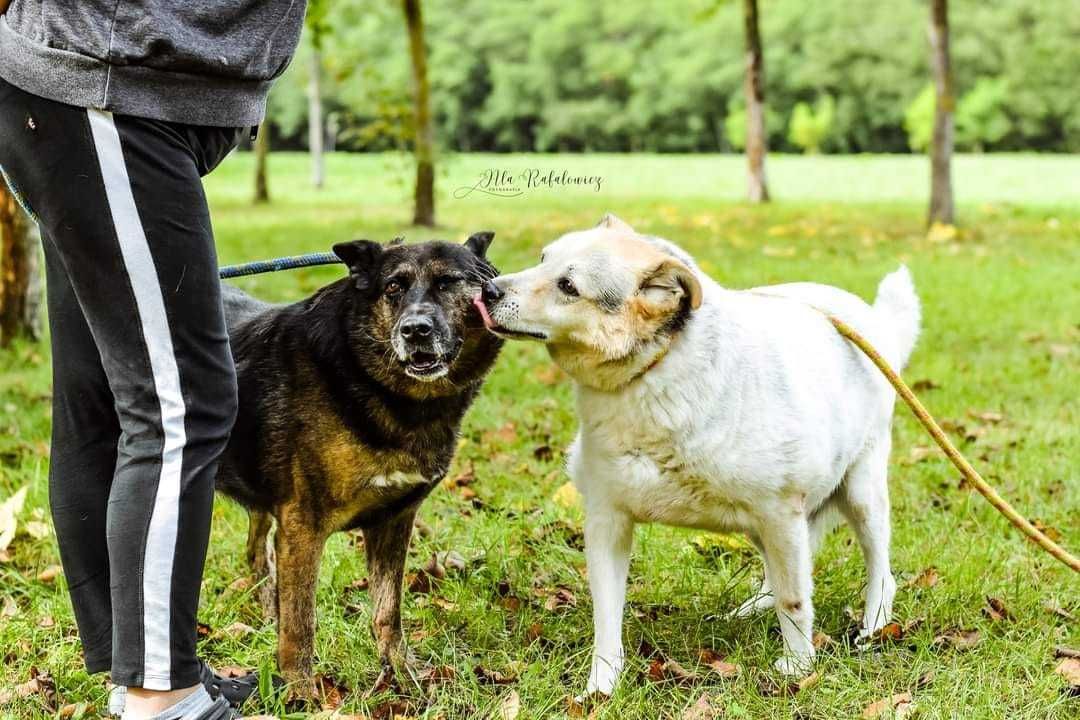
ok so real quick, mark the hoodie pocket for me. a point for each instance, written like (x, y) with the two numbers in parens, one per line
(237, 39)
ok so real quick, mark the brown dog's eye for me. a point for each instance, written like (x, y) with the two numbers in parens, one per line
(567, 286)
(445, 283)
(393, 288)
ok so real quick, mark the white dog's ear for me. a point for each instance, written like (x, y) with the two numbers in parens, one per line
(613, 223)
(669, 282)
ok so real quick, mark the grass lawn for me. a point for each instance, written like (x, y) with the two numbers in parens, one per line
(998, 360)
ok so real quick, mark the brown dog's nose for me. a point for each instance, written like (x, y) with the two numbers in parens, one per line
(416, 326)
(490, 292)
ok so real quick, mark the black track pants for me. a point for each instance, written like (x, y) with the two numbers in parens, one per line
(144, 389)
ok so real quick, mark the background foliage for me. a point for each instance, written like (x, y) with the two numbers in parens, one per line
(635, 75)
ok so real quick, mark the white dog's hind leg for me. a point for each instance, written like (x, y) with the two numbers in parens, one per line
(609, 536)
(865, 504)
(763, 598)
(787, 549)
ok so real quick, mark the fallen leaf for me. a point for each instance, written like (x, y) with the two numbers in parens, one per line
(330, 691)
(918, 453)
(924, 384)
(39, 684)
(506, 434)
(391, 710)
(996, 611)
(46, 622)
(1069, 668)
(567, 496)
(900, 705)
(359, 585)
(203, 630)
(9, 511)
(434, 568)
(1053, 606)
(928, 578)
(534, 632)
(436, 674)
(233, 671)
(702, 709)
(821, 641)
(10, 609)
(958, 639)
(75, 710)
(668, 670)
(771, 688)
(466, 477)
(560, 597)
(1066, 652)
(894, 631)
(240, 584)
(237, 630)
(451, 560)
(716, 662)
(510, 707)
(1050, 532)
(443, 603)
(991, 416)
(493, 677)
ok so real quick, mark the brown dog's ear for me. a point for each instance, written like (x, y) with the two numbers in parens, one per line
(479, 242)
(363, 258)
(669, 282)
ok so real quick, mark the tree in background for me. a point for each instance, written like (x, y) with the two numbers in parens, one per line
(20, 273)
(262, 149)
(941, 146)
(810, 126)
(756, 143)
(423, 129)
(318, 28)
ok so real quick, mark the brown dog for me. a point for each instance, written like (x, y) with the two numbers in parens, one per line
(350, 404)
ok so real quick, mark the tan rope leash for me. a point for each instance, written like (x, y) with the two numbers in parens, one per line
(961, 463)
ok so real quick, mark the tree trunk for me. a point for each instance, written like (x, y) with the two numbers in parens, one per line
(315, 117)
(941, 146)
(424, 200)
(262, 149)
(756, 144)
(20, 272)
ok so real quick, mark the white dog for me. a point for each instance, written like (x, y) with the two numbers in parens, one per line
(716, 409)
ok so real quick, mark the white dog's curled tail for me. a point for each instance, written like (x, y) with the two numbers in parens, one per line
(898, 307)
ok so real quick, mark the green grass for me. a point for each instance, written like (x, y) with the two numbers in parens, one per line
(1001, 303)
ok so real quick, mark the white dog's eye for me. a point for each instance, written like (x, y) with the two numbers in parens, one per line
(567, 286)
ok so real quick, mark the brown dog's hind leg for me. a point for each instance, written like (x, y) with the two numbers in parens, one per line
(260, 556)
(387, 545)
(299, 550)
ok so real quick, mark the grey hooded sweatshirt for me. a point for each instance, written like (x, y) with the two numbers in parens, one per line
(201, 62)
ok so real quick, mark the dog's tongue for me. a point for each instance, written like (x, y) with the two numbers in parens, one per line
(488, 323)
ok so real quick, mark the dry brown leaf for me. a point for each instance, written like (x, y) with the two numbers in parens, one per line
(451, 560)
(10, 609)
(668, 670)
(991, 416)
(918, 453)
(506, 434)
(958, 639)
(771, 688)
(702, 709)
(236, 630)
(534, 632)
(50, 574)
(1066, 652)
(466, 477)
(560, 597)
(996, 611)
(821, 640)
(330, 691)
(47, 622)
(39, 684)
(75, 710)
(359, 585)
(928, 578)
(716, 662)
(1069, 668)
(240, 584)
(900, 705)
(436, 674)
(1050, 532)
(924, 385)
(233, 671)
(443, 603)
(510, 707)
(493, 677)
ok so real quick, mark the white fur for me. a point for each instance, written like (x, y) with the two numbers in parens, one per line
(761, 419)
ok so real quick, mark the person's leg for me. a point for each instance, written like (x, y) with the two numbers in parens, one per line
(122, 202)
(85, 433)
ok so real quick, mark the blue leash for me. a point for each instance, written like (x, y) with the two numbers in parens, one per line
(285, 263)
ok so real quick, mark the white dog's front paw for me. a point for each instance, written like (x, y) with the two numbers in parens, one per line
(794, 665)
(604, 675)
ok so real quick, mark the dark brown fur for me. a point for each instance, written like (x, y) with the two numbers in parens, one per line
(328, 417)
